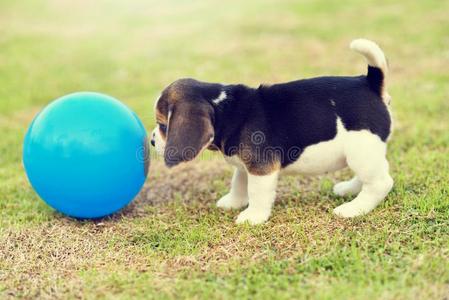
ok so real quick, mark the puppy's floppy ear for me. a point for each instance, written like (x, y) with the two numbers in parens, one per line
(190, 131)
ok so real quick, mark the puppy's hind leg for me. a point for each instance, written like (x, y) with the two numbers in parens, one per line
(238, 196)
(350, 187)
(365, 155)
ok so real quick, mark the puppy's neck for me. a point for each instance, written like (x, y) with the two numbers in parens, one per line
(232, 109)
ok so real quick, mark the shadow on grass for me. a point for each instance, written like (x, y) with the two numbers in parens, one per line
(203, 182)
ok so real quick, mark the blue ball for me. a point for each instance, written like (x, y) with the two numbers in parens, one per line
(86, 155)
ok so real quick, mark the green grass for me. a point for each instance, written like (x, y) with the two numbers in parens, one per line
(172, 242)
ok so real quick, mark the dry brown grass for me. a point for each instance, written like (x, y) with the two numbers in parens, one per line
(48, 259)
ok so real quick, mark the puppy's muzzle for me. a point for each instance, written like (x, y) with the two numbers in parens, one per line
(153, 142)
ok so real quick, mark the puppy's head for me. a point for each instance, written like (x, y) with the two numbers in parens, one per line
(185, 121)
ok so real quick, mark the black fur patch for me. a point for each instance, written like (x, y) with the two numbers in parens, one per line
(375, 79)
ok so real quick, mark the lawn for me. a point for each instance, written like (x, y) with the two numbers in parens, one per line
(172, 242)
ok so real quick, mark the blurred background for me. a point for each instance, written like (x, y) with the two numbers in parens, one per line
(132, 49)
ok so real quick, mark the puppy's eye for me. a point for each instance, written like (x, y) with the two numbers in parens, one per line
(163, 127)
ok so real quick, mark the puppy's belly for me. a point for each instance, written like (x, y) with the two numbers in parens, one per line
(319, 159)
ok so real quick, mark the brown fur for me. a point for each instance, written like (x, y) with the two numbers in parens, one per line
(187, 137)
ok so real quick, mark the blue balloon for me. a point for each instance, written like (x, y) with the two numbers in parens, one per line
(86, 155)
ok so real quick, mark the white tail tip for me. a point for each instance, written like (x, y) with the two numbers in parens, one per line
(372, 52)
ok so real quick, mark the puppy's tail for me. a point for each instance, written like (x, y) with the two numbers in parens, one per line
(377, 66)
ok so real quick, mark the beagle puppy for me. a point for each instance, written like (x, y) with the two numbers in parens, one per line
(309, 126)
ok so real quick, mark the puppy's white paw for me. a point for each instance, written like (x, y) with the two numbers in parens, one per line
(352, 209)
(253, 216)
(350, 187)
(230, 201)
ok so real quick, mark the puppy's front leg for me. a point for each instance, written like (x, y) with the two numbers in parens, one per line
(238, 195)
(261, 192)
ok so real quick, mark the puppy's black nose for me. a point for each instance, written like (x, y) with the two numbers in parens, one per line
(153, 143)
